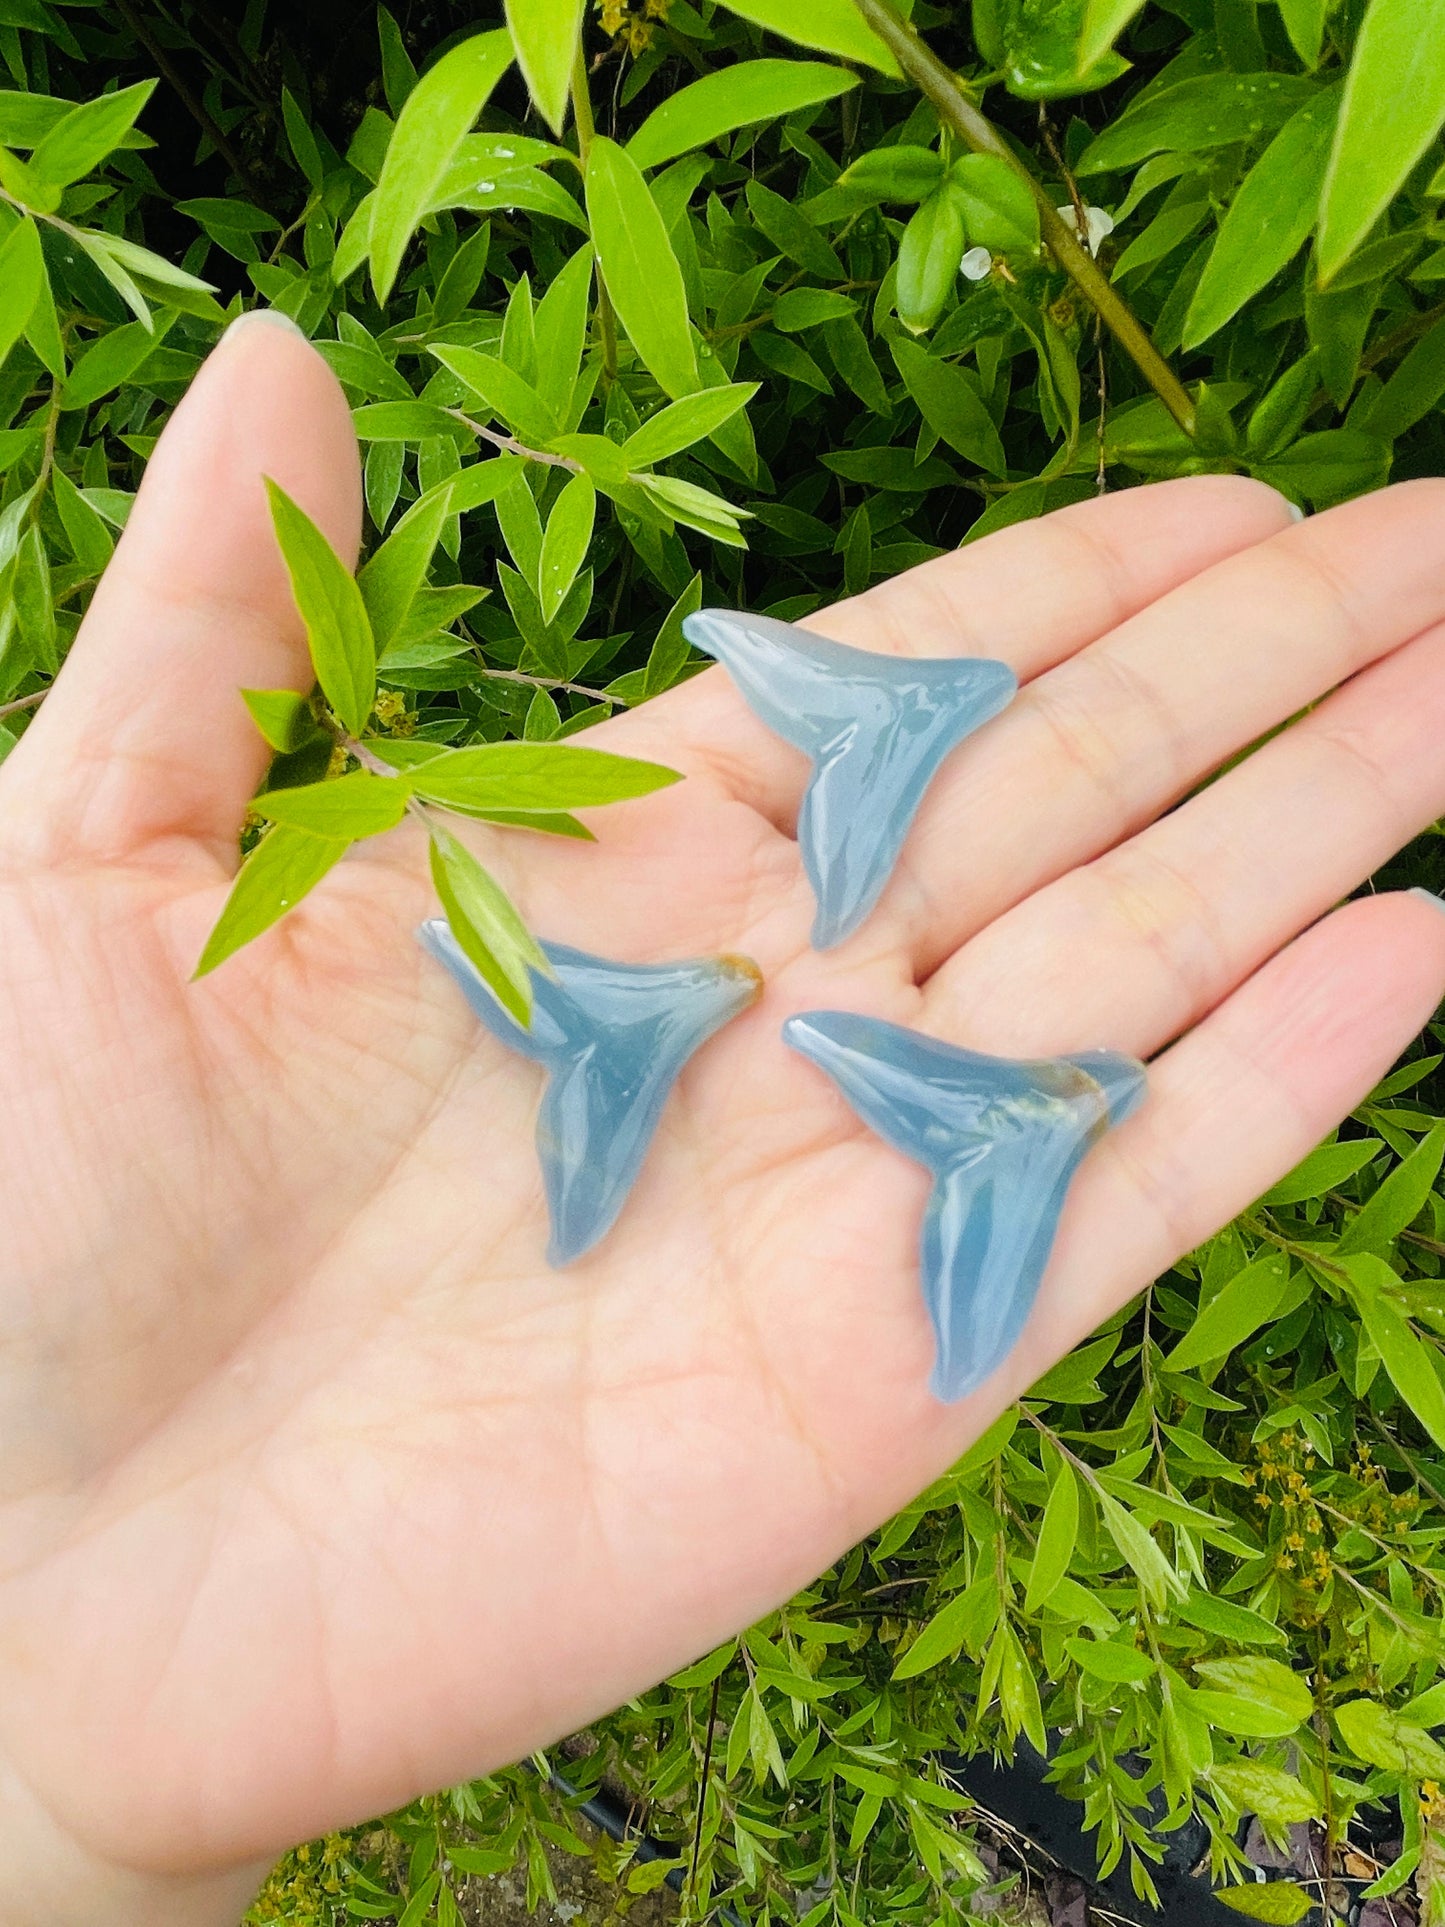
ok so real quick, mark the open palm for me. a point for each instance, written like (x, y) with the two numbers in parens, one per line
(318, 1488)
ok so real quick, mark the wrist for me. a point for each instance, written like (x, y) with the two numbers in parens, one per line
(50, 1879)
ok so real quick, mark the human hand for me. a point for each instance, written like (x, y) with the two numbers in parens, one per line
(319, 1489)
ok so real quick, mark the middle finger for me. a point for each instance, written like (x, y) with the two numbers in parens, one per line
(1099, 746)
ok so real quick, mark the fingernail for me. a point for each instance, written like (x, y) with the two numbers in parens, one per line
(1428, 896)
(262, 318)
(1296, 513)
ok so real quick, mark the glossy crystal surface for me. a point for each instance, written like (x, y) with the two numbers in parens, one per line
(612, 1038)
(1002, 1138)
(876, 729)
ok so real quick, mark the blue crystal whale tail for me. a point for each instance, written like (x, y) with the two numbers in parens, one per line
(876, 728)
(612, 1038)
(1002, 1138)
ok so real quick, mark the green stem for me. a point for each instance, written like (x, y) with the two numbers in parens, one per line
(956, 110)
(586, 134)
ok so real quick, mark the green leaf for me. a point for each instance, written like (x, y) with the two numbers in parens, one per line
(1104, 21)
(1153, 1571)
(560, 328)
(80, 141)
(1243, 1718)
(338, 633)
(1304, 22)
(430, 127)
(1111, 1660)
(548, 776)
(276, 875)
(1399, 1200)
(111, 359)
(832, 26)
(408, 421)
(283, 718)
(798, 308)
(698, 507)
(85, 530)
(1402, 1354)
(1268, 221)
(1253, 1787)
(1393, 106)
(898, 173)
(1414, 388)
(792, 233)
(355, 805)
(1238, 1624)
(951, 405)
(1208, 110)
(390, 579)
(752, 90)
(928, 258)
(1057, 1534)
(1227, 1319)
(1265, 1682)
(1371, 1731)
(1323, 1170)
(546, 34)
(999, 210)
(640, 268)
(505, 393)
(1278, 1902)
(565, 544)
(965, 1621)
(22, 268)
(302, 140)
(485, 923)
(682, 423)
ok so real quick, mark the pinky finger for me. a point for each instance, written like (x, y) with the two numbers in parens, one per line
(1241, 1100)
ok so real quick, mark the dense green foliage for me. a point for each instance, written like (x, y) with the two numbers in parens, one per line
(828, 342)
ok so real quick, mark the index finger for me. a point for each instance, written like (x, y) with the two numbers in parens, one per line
(1031, 595)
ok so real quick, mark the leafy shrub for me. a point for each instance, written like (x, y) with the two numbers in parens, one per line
(843, 322)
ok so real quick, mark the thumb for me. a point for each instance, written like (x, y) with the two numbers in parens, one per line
(144, 736)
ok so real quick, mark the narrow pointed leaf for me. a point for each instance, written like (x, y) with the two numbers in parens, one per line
(832, 26)
(274, 878)
(753, 90)
(80, 141)
(1057, 1534)
(355, 805)
(682, 423)
(1268, 221)
(338, 633)
(391, 578)
(640, 267)
(565, 544)
(1393, 105)
(437, 114)
(485, 923)
(543, 776)
(545, 34)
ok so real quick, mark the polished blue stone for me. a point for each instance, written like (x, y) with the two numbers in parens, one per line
(876, 728)
(1002, 1137)
(612, 1038)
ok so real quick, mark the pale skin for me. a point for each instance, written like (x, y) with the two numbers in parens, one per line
(318, 1490)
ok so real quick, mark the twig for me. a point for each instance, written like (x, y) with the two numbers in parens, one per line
(933, 79)
(702, 1786)
(25, 702)
(511, 446)
(554, 682)
(181, 88)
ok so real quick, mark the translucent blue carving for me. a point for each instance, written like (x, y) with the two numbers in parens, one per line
(613, 1038)
(1002, 1137)
(876, 728)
